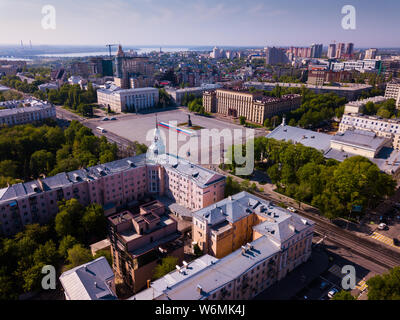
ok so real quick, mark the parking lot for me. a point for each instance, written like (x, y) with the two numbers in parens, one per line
(141, 127)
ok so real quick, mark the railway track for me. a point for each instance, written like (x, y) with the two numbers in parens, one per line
(363, 247)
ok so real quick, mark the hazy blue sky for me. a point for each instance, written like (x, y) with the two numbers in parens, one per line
(201, 22)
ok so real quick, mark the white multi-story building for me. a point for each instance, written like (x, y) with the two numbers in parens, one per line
(359, 65)
(128, 100)
(18, 112)
(355, 107)
(393, 91)
(387, 128)
(179, 94)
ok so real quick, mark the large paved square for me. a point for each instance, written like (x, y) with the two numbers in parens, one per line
(200, 147)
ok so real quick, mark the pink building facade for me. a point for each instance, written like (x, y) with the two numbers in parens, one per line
(116, 184)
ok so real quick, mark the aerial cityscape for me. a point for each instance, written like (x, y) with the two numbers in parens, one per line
(209, 150)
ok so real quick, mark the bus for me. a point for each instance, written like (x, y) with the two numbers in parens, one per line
(102, 130)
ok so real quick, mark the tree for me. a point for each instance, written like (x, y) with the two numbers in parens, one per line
(77, 256)
(343, 295)
(66, 243)
(106, 254)
(197, 251)
(68, 219)
(167, 265)
(242, 120)
(94, 221)
(386, 286)
(41, 162)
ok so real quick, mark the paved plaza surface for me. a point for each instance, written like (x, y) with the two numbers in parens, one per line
(141, 128)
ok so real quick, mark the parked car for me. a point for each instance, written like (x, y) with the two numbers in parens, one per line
(332, 292)
(291, 209)
(382, 226)
(323, 285)
(105, 119)
(113, 118)
(396, 242)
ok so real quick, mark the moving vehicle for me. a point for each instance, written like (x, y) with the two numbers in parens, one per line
(291, 209)
(102, 130)
(332, 292)
(382, 226)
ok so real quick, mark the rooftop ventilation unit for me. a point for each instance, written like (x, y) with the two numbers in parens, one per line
(185, 264)
(199, 289)
(130, 163)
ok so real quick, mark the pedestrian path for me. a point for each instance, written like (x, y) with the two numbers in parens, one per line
(384, 239)
(362, 285)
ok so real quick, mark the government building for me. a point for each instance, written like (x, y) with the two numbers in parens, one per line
(128, 100)
(254, 107)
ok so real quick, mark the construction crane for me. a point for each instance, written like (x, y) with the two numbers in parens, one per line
(109, 47)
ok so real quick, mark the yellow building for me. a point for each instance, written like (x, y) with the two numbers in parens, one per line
(254, 107)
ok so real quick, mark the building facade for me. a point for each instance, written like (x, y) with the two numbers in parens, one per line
(280, 242)
(393, 91)
(139, 240)
(25, 111)
(254, 107)
(128, 100)
(386, 128)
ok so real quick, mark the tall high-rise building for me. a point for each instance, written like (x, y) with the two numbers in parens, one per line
(316, 50)
(275, 55)
(128, 68)
(349, 49)
(332, 51)
(371, 53)
(340, 50)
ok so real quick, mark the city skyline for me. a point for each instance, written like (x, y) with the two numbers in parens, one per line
(190, 23)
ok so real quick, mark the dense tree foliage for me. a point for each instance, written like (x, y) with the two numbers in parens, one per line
(385, 109)
(64, 243)
(386, 286)
(343, 295)
(84, 224)
(334, 187)
(27, 151)
(166, 266)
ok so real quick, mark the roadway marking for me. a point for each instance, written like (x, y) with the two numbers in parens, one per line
(336, 270)
(384, 239)
(362, 285)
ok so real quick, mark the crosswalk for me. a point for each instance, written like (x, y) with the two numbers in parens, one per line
(336, 270)
(362, 285)
(384, 239)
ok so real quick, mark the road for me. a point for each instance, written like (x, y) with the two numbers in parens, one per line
(363, 247)
(63, 114)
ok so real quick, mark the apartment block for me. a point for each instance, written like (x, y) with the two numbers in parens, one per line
(18, 112)
(117, 184)
(281, 241)
(393, 91)
(254, 107)
(139, 240)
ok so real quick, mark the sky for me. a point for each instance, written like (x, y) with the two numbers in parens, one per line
(201, 22)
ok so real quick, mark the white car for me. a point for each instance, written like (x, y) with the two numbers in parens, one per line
(291, 209)
(332, 293)
(382, 226)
